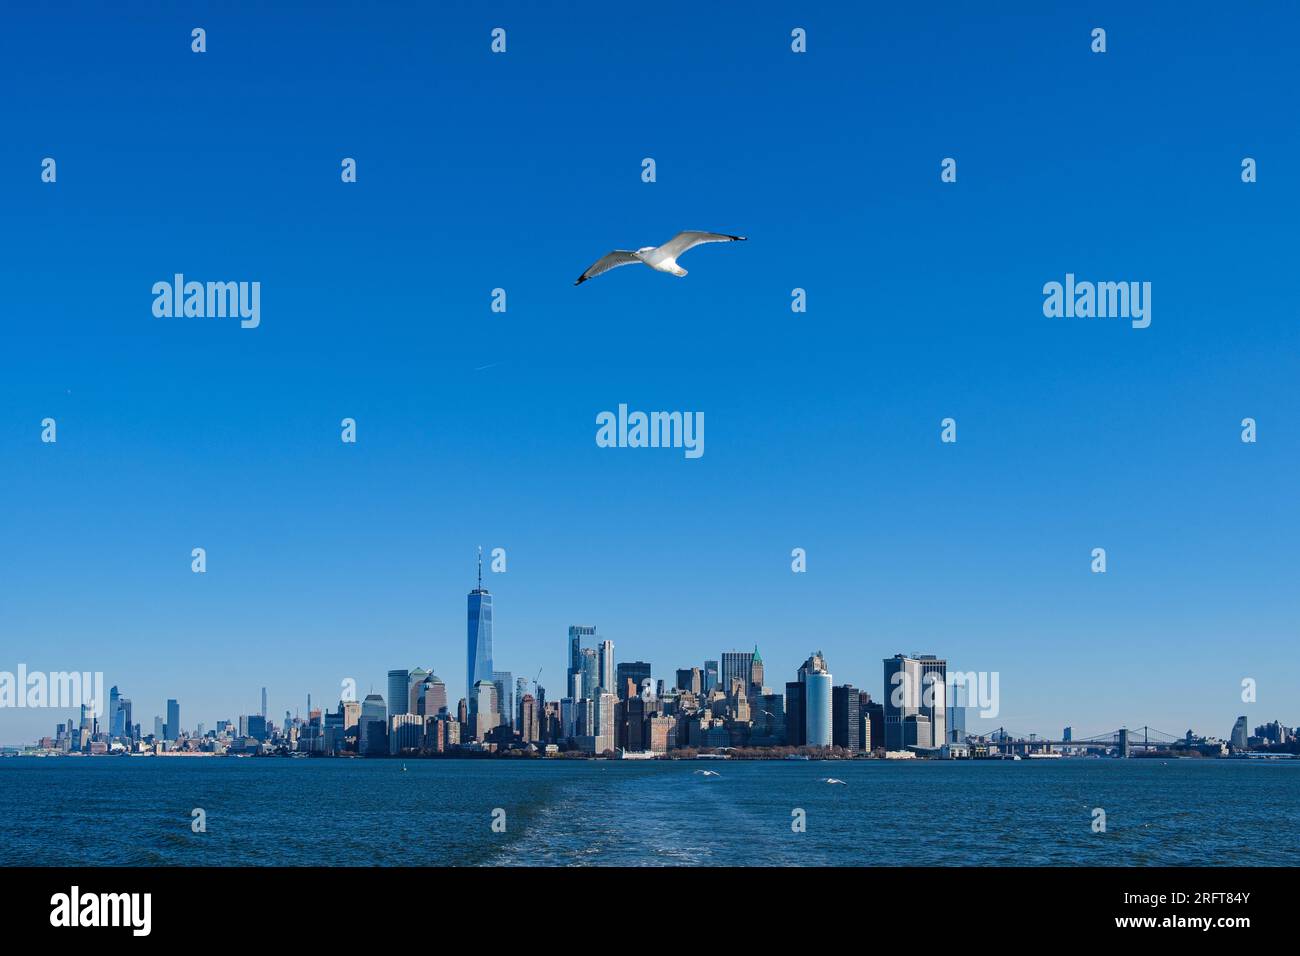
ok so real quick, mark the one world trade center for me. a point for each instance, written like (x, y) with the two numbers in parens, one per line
(478, 664)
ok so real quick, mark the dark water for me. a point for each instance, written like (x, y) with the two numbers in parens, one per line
(78, 811)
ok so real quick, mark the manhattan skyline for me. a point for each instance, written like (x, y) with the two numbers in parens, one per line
(480, 635)
(328, 561)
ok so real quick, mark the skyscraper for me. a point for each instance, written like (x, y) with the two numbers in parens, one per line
(431, 697)
(606, 674)
(574, 674)
(172, 730)
(504, 682)
(737, 665)
(710, 675)
(605, 730)
(414, 683)
(263, 701)
(756, 675)
(873, 723)
(372, 736)
(484, 709)
(115, 717)
(478, 664)
(528, 725)
(691, 679)
(795, 724)
(634, 671)
(398, 693)
(521, 691)
(915, 687)
(956, 728)
(846, 719)
(817, 681)
(1238, 738)
(590, 669)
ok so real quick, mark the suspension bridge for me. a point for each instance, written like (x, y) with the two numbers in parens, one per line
(1123, 740)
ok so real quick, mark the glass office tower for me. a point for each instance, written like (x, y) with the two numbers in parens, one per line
(478, 663)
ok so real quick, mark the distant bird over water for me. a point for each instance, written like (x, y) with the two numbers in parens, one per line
(834, 780)
(709, 773)
(661, 259)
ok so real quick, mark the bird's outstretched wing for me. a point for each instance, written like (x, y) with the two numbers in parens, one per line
(683, 241)
(619, 257)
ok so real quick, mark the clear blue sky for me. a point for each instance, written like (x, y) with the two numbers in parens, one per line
(328, 561)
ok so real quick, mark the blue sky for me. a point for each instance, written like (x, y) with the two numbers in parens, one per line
(476, 171)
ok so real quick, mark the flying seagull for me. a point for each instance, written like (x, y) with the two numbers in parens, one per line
(834, 780)
(661, 259)
(709, 773)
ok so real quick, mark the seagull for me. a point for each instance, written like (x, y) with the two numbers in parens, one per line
(834, 780)
(709, 773)
(661, 259)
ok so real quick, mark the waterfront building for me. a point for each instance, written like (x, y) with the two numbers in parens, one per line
(405, 733)
(873, 723)
(846, 718)
(332, 732)
(768, 715)
(1238, 739)
(915, 686)
(584, 724)
(372, 723)
(795, 722)
(254, 726)
(631, 718)
(956, 725)
(605, 729)
(817, 682)
(917, 732)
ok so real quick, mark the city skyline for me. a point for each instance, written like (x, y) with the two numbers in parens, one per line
(744, 668)
(924, 302)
